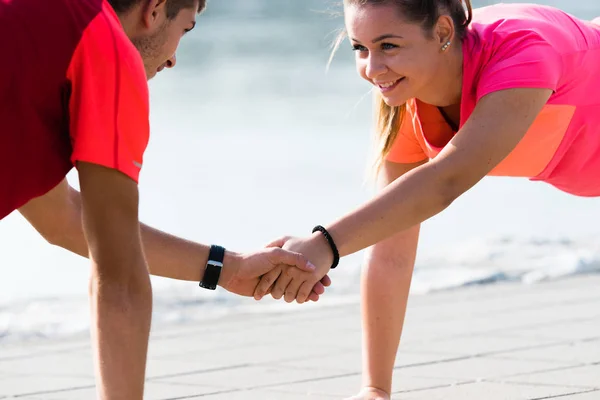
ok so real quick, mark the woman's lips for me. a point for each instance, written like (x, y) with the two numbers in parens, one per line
(388, 86)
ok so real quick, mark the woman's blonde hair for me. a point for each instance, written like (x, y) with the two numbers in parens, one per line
(388, 119)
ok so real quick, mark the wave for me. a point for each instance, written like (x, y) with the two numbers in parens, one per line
(478, 262)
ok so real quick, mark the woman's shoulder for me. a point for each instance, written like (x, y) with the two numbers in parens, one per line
(515, 13)
(495, 24)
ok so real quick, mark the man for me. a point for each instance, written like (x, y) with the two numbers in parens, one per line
(73, 92)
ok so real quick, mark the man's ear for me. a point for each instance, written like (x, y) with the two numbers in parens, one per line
(154, 12)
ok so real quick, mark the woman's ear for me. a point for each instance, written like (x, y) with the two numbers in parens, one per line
(444, 30)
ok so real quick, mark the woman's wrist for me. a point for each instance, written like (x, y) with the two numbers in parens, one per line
(324, 252)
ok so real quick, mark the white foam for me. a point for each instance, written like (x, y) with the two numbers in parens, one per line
(472, 263)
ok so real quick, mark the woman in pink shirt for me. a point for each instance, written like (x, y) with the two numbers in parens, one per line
(506, 90)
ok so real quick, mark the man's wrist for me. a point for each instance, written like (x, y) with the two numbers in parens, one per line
(231, 265)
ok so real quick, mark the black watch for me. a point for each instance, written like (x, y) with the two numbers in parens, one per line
(213, 268)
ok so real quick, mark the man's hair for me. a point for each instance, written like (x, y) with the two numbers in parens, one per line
(173, 6)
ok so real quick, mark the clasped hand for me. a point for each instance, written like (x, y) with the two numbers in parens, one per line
(292, 283)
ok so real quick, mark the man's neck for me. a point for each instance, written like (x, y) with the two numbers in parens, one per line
(130, 21)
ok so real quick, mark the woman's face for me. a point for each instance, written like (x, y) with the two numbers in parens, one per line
(394, 55)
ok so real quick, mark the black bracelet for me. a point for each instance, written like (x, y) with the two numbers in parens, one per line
(334, 250)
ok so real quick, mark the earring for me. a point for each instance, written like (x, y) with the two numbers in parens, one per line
(446, 45)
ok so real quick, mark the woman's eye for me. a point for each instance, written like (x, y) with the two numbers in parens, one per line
(388, 46)
(358, 47)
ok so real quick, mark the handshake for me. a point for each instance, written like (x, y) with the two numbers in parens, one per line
(292, 268)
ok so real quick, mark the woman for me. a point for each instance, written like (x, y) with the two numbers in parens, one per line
(506, 90)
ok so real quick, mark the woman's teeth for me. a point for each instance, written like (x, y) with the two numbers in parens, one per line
(387, 86)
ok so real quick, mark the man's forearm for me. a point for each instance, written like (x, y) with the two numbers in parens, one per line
(121, 316)
(120, 289)
(57, 216)
(173, 257)
(167, 255)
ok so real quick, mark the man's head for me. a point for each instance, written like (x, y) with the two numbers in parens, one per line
(155, 27)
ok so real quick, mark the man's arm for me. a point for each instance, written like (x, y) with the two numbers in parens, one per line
(120, 290)
(59, 207)
(57, 217)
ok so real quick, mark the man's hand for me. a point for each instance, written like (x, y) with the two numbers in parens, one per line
(241, 273)
(295, 284)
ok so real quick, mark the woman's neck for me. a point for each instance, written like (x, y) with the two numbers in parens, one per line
(446, 86)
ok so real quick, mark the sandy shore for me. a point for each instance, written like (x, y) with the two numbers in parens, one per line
(504, 341)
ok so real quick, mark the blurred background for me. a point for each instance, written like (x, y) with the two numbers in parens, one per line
(252, 138)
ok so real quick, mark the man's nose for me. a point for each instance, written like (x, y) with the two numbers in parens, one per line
(171, 61)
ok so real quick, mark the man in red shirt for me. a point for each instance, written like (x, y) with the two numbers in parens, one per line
(73, 92)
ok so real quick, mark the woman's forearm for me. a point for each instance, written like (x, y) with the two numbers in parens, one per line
(410, 200)
(385, 285)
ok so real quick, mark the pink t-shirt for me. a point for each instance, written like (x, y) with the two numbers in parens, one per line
(526, 46)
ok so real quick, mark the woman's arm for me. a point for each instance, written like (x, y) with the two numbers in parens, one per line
(498, 123)
(385, 284)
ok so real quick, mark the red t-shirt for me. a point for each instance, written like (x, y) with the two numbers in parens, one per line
(73, 88)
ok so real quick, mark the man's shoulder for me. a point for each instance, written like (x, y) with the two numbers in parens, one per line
(106, 34)
(106, 51)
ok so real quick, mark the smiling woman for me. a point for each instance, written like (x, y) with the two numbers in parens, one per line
(446, 78)
(429, 65)
(460, 94)
(402, 47)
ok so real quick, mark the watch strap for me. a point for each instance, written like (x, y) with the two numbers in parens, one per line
(213, 268)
